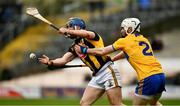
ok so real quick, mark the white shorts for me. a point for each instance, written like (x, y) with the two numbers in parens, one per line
(106, 78)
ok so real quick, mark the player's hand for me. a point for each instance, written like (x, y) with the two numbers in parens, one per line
(77, 48)
(81, 49)
(63, 31)
(44, 59)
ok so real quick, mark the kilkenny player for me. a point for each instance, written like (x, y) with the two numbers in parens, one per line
(105, 77)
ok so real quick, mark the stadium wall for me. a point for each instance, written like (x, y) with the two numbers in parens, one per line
(70, 82)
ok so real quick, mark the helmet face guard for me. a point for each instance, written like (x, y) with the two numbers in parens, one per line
(134, 23)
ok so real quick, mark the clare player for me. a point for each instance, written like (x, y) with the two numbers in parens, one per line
(138, 51)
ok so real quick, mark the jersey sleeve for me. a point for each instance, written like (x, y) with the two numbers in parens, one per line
(119, 44)
(97, 37)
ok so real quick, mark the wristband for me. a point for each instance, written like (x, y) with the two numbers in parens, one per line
(65, 33)
(83, 49)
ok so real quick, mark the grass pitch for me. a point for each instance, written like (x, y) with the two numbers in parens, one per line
(69, 101)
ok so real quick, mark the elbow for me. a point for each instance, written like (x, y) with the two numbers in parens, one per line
(65, 61)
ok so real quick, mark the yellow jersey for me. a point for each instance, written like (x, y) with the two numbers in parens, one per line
(138, 52)
(95, 63)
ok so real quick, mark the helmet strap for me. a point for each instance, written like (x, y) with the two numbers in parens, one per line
(136, 28)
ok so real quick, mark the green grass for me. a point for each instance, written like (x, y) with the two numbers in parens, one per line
(69, 101)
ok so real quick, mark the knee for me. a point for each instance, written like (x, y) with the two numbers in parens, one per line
(84, 103)
(116, 102)
(81, 103)
(156, 103)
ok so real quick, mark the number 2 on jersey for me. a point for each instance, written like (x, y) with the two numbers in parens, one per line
(145, 50)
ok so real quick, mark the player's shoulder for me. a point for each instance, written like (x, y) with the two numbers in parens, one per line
(121, 40)
(93, 32)
(143, 38)
(137, 36)
(96, 37)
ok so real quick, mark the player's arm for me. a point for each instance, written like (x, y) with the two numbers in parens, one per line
(117, 45)
(67, 57)
(77, 33)
(95, 51)
(120, 55)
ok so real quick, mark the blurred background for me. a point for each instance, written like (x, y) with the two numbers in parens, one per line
(25, 81)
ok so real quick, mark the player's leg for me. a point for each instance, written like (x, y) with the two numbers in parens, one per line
(114, 96)
(161, 88)
(137, 100)
(154, 101)
(113, 86)
(91, 94)
(149, 90)
(158, 104)
(140, 97)
(144, 100)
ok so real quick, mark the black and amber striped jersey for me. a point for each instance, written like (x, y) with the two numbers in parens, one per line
(95, 63)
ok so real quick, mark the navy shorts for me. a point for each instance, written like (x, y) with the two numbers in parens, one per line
(151, 85)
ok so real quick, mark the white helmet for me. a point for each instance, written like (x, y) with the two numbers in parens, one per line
(131, 22)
